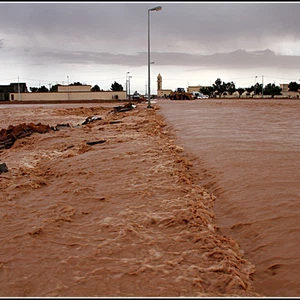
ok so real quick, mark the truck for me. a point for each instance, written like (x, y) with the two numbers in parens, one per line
(181, 94)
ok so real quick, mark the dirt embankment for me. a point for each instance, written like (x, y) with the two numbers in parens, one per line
(120, 218)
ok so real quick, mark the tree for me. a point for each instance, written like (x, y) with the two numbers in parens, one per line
(95, 88)
(218, 86)
(115, 87)
(33, 89)
(230, 87)
(54, 88)
(272, 89)
(222, 87)
(241, 91)
(76, 83)
(257, 88)
(293, 86)
(208, 91)
(42, 89)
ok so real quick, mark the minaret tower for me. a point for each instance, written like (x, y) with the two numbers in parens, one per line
(159, 83)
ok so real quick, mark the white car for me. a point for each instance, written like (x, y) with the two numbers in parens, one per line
(201, 96)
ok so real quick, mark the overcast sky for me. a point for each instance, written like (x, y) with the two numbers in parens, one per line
(192, 43)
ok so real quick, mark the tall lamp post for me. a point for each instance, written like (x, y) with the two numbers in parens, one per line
(68, 87)
(157, 8)
(127, 85)
(255, 86)
(18, 89)
(262, 88)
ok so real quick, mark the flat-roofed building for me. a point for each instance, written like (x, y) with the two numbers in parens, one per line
(288, 94)
(284, 86)
(14, 87)
(195, 88)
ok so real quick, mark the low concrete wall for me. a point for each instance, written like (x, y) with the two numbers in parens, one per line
(75, 96)
(74, 88)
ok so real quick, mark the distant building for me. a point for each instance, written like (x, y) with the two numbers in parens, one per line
(160, 91)
(17, 87)
(67, 93)
(195, 88)
(166, 92)
(286, 93)
(284, 86)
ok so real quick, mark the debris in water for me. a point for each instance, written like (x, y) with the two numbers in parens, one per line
(126, 107)
(12, 133)
(59, 126)
(3, 168)
(91, 119)
(115, 122)
(96, 142)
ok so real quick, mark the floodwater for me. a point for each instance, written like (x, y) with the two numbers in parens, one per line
(248, 152)
(122, 218)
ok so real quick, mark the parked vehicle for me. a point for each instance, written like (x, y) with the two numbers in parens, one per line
(199, 95)
(181, 94)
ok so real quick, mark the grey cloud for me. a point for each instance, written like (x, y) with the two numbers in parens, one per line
(238, 59)
(218, 25)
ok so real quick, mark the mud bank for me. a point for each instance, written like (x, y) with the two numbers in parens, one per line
(122, 218)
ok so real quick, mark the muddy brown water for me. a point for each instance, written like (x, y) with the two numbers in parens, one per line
(124, 218)
(249, 151)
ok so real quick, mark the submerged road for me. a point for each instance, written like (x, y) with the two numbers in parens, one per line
(248, 152)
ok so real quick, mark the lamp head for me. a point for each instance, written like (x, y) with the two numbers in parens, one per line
(157, 8)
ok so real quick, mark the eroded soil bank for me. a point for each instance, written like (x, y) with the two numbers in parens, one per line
(122, 218)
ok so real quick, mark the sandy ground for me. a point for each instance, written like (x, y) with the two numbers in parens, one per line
(123, 218)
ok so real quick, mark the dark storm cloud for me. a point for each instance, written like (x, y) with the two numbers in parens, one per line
(218, 25)
(232, 60)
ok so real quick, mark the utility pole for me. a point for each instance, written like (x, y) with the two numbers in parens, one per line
(18, 89)
(255, 86)
(262, 89)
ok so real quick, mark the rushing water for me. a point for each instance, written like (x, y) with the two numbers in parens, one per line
(119, 219)
(249, 153)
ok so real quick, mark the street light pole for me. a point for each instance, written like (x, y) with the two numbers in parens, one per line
(262, 88)
(18, 89)
(157, 8)
(255, 86)
(68, 87)
(127, 85)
